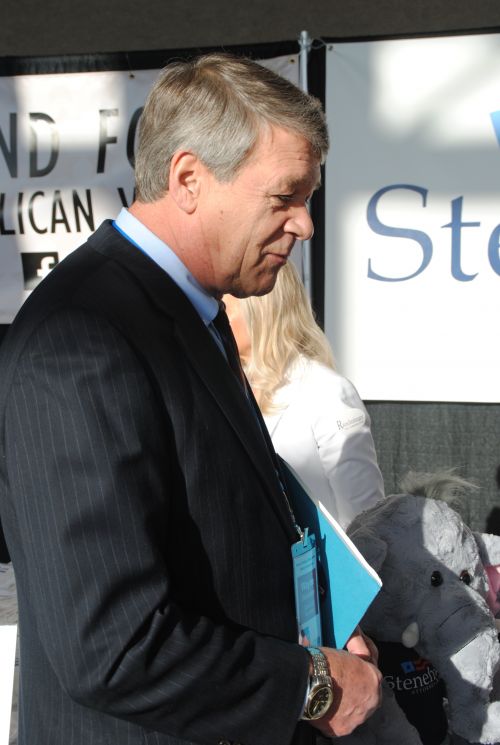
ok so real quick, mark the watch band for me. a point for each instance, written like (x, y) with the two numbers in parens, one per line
(319, 662)
(319, 697)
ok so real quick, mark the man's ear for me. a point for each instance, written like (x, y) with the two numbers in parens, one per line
(373, 548)
(185, 179)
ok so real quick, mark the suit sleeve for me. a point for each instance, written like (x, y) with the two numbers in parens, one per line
(341, 427)
(91, 473)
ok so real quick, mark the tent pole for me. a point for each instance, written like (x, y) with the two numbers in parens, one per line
(305, 42)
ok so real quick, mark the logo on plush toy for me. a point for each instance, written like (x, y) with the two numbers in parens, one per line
(418, 674)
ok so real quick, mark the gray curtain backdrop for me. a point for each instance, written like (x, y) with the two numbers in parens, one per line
(432, 436)
(31, 27)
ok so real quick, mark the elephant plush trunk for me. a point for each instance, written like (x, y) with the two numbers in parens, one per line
(462, 618)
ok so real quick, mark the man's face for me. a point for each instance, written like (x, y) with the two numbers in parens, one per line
(251, 223)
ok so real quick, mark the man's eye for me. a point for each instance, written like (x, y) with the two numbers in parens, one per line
(286, 199)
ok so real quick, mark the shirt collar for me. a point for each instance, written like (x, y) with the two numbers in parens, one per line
(140, 236)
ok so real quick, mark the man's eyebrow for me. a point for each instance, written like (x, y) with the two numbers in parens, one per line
(316, 186)
(294, 184)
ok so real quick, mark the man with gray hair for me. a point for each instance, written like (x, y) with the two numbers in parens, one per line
(140, 495)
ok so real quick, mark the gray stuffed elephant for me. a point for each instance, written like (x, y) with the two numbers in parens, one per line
(433, 597)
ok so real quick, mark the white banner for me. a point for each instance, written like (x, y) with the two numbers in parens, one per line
(412, 270)
(66, 152)
(8, 636)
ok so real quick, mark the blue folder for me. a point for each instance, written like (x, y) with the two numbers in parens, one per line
(348, 584)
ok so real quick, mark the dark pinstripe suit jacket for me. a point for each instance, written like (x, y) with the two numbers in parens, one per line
(149, 536)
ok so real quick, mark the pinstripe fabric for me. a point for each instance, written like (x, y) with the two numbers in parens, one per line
(144, 519)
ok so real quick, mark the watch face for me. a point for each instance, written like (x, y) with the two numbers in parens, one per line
(320, 701)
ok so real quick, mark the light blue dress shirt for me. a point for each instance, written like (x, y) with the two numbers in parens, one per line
(140, 236)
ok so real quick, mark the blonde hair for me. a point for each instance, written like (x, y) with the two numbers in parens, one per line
(282, 327)
(217, 106)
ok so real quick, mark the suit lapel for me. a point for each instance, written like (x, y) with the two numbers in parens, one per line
(215, 373)
(207, 360)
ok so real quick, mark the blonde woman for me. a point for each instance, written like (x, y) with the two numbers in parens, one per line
(315, 417)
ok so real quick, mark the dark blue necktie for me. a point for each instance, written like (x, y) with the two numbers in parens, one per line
(223, 327)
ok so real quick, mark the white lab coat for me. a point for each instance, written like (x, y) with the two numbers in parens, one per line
(323, 432)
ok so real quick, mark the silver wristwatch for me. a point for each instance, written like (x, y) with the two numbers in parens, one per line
(320, 691)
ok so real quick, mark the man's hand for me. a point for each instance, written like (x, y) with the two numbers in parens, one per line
(362, 646)
(356, 691)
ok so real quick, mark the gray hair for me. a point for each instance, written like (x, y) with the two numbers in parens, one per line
(216, 106)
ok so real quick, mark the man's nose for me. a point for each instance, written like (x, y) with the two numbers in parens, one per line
(300, 223)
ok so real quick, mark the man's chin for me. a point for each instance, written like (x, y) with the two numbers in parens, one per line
(261, 285)
(266, 283)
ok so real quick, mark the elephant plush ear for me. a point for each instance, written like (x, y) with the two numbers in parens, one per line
(489, 548)
(373, 548)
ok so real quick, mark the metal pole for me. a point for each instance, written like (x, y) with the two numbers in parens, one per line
(305, 45)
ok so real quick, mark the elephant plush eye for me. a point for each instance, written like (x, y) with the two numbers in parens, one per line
(436, 579)
(465, 577)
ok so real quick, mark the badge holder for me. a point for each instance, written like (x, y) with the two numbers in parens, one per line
(305, 576)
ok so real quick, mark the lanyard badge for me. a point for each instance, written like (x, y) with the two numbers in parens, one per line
(305, 576)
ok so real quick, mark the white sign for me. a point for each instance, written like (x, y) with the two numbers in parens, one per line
(412, 269)
(8, 636)
(67, 145)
